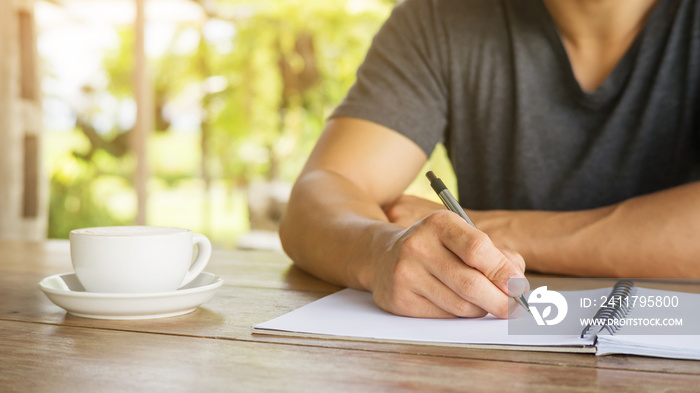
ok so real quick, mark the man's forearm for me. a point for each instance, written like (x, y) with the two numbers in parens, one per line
(656, 235)
(440, 267)
(333, 231)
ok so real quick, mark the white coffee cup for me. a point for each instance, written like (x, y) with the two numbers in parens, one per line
(137, 259)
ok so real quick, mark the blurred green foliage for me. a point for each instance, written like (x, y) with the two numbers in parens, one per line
(264, 94)
(77, 185)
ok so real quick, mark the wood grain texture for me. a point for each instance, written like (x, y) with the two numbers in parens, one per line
(215, 343)
(41, 358)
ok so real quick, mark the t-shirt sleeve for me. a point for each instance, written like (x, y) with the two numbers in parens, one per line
(401, 83)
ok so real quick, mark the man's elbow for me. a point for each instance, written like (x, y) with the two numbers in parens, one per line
(286, 235)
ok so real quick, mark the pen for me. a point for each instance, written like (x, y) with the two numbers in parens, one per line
(451, 203)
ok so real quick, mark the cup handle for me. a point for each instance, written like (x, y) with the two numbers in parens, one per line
(204, 253)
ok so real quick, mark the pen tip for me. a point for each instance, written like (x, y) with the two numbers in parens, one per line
(431, 176)
(523, 302)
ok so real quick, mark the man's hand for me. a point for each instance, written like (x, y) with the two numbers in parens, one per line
(441, 267)
(407, 210)
(435, 265)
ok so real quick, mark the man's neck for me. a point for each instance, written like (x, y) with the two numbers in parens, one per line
(597, 33)
(604, 21)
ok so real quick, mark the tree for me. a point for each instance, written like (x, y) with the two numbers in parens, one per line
(264, 90)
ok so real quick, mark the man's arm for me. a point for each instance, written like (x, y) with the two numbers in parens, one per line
(655, 235)
(335, 228)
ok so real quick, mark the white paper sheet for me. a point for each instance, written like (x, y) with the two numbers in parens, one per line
(353, 314)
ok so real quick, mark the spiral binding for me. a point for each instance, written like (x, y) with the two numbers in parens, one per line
(620, 309)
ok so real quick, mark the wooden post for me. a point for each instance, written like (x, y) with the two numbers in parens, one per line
(203, 52)
(23, 187)
(144, 114)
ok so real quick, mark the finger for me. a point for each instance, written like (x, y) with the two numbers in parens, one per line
(516, 286)
(406, 210)
(515, 258)
(411, 304)
(476, 250)
(397, 215)
(444, 297)
(515, 310)
(469, 284)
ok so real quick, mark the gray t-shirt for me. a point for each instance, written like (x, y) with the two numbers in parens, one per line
(491, 80)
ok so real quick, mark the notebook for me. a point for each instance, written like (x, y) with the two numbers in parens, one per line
(352, 315)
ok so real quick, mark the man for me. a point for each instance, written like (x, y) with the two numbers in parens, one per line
(574, 132)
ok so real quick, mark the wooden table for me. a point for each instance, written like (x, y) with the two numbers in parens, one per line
(43, 349)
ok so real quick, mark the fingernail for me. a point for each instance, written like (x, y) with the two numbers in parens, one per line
(518, 285)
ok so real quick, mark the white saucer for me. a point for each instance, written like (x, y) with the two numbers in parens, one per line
(66, 292)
